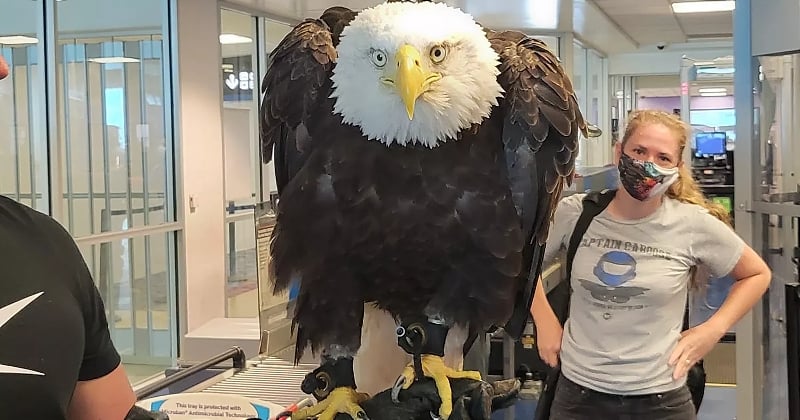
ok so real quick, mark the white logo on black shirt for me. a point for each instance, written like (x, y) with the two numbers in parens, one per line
(8, 312)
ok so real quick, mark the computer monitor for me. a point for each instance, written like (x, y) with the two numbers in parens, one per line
(710, 144)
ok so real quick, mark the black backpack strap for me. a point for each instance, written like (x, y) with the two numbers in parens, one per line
(686, 313)
(593, 204)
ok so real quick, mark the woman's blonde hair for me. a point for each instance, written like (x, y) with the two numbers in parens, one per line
(685, 189)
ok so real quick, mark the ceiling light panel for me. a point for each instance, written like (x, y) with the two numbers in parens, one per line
(704, 6)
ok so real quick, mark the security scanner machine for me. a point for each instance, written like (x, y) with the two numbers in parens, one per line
(711, 158)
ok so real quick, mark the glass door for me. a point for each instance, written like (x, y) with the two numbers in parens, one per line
(238, 43)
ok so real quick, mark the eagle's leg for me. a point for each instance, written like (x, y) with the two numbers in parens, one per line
(425, 339)
(334, 386)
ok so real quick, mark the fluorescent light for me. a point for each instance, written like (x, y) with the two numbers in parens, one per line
(18, 40)
(704, 6)
(234, 39)
(716, 70)
(113, 60)
(712, 90)
(542, 14)
(714, 94)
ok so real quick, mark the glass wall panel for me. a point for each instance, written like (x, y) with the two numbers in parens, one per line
(238, 38)
(115, 166)
(273, 34)
(595, 84)
(579, 83)
(116, 154)
(23, 139)
(246, 179)
(551, 41)
(622, 91)
(778, 115)
(136, 279)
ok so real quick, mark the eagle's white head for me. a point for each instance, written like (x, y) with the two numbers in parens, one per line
(414, 73)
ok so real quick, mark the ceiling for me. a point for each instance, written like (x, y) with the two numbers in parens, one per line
(661, 86)
(649, 22)
(694, 90)
(614, 25)
(532, 16)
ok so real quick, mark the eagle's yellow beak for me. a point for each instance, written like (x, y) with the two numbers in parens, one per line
(411, 80)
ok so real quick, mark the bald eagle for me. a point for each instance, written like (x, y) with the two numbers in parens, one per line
(419, 158)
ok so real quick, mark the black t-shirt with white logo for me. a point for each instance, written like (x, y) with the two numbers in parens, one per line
(53, 329)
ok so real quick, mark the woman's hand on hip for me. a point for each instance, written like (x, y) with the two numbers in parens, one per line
(694, 344)
(548, 340)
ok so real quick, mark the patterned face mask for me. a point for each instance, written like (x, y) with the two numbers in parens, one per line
(644, 180)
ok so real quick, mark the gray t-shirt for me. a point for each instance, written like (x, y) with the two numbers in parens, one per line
(630, 280)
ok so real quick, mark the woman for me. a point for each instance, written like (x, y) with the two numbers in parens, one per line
(622, 352)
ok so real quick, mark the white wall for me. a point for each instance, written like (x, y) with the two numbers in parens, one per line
(239, 132)
(595, 29)
(237, 127)
(649, 60)
(199, 124)
(81, 17)
(669, 81)
(774, 26)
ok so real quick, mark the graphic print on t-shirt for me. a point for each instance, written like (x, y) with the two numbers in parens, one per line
(614, 270)
(6, 314)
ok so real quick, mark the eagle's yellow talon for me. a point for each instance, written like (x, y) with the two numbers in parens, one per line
(340, 400)
(434, 367)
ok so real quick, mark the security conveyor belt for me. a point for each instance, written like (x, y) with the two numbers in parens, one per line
(269, 379)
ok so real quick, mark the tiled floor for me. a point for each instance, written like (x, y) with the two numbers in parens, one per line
(719, 403)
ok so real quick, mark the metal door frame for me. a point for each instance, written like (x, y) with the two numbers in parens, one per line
(750, 213)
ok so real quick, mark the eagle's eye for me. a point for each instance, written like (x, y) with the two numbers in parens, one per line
(378, 58)
(438, 53)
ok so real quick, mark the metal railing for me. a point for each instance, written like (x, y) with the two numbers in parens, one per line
(230, 219)
(235, 354)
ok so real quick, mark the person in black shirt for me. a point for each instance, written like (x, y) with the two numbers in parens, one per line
(57, 360)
